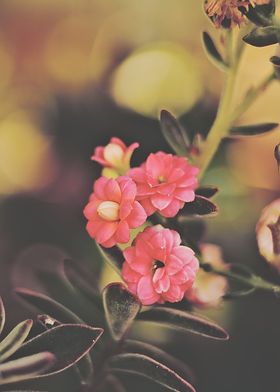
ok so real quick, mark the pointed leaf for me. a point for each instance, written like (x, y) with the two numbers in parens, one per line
(263, 36)
(207, 191)
(212, 52)
(26, 368)
(14, 340)
(2, 315)
(252, 130)
(149, 368)
(68, 342)
(174, 133)
(185, 321)
(200, 206)
(113, 256)
(121, 308)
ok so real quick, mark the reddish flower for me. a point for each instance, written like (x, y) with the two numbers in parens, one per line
(115, 156)
(157, 268)
(164, 183)
(112, 211)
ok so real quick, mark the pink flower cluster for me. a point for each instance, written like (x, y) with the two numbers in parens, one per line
(156, 268)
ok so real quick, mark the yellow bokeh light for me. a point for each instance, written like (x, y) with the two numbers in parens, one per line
(162, 75)
(26, 160)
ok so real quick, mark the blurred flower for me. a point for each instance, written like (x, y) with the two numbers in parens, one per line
(268, 233)
(164, 183)
(208, 288)
(112, 211)
(115, 156)
(157, 268)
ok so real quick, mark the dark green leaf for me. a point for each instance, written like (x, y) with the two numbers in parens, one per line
(121, 308)
(199, 207)
(2, 315)
(252, 130)
(212, 52)
(174, 133)
(14, 339)
(263, 36)
(149, 368)
(68, 342)
(113, 256)
(182, 320)
(261, 15)
(207, 191)
(239, 293)
(275, 60)
(26, 368)
(277, 155)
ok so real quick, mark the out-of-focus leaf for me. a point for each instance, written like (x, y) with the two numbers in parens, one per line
(14, 339)
(242, 269)
(263, 36)
(212, 52)
(261, 15)
(185, 321)
(275, 60)
(2, 315)
(239, 293)
(149, 368)
(113, 384)
(174, 133)
(121, 308)
(113, 256)
(252, 130)
(135, 346)
(26, 368)
(68, 342)
(48, 306)
(207, 191)
(201, 206)
(277, 156)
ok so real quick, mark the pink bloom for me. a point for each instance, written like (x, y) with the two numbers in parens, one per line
(115, 155)
(208, 288)
(112, 211)
(157, 268)
(164, 183)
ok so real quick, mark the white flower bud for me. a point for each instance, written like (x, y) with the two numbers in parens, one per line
(108, 210)
(113, 154)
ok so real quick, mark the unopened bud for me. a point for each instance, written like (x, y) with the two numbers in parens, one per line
(108, 210)
(113, 153)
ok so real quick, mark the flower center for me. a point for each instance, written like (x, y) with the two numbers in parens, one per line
(157, 264)
(108, 210)
(161, 179)
(113, 153)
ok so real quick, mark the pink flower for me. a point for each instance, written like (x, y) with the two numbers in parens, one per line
(164, 183)
(157, 268)
(115, 156)
(208, 288)
(112, 211)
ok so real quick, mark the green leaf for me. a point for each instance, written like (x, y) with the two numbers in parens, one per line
(252, 130)
(121, 308)
(68, 342)
(275, 60)
(207, 191)
(14, 340)
(201, 206)
(2, 315)
(263, 36)
(261, 15)
(239, 293)
(185, 321)
(26, 368)
(212, 52)
(174, 133)
(149, 368)
(113, 256)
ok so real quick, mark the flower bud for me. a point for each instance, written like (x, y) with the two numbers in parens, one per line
(108, 210)
(113, 154)
(268, 234)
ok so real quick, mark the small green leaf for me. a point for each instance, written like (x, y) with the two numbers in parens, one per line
(121, 307)
(201, 206)
(261, 15)
(14, 340)
(174, 133)
(263, 36)
(252, 130)
(68, 342)
(207, 191)
(26, 368)
(113, 256)
(212, 52)
(2, 315)
(149, 368)
(185, 321)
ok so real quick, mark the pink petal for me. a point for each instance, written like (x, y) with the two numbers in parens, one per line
(155, 166)
(172, 209)
(137, 216)
(146, 292)
(128, 274)
(90, 210)
(161, 201)
(106, 231)
(99, 157)
(166, 189)
(162, 285)
(137, 174)
(148, 207)
(109, 243)
(112, 191)
(99, 188)
(93, 227)
(122, 233)
(183, 253)
(144, 190)
(116, 140)
(174, 294)
(173, 264)
(184, 194)
(125, 209)
(128, 188)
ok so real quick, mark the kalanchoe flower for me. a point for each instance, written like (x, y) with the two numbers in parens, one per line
(208, 288)
(229, 13)
(157, 268)
(115, 157)
(165, 183)
(112, 211)
(268, 234)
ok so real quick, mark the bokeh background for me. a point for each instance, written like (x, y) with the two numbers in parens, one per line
(73, 74)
